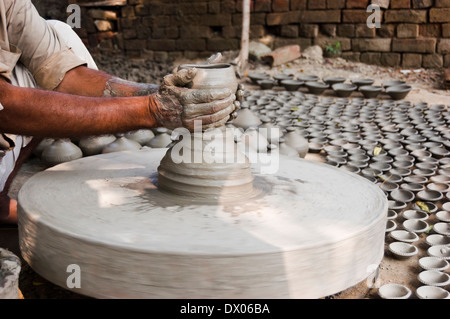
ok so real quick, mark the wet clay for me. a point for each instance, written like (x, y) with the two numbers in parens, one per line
(207, 165)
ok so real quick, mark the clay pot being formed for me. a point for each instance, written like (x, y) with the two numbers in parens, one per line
(60, 151)
(213, 76)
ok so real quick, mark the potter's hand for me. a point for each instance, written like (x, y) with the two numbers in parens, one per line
(175, 105)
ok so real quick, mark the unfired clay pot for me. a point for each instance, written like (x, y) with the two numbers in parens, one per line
(60, 151)
(216, 172)
(142, 136)
(270, 131)
(207, 168)
(254, 141)
(287, 150)
(42, 145)
(213, 76)
(93, 145)
(296, 141)
(394, 291)
(246, 118)
(121, 144)
(432, 292)
(161, 140)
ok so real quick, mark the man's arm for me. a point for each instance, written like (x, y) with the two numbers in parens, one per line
(88, 82)
(37, 112)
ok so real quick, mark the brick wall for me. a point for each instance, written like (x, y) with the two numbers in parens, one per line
(413, 33)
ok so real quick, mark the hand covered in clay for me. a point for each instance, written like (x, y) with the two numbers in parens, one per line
(175, 105)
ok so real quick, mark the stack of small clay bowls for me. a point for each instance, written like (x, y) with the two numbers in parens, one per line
(400, 146)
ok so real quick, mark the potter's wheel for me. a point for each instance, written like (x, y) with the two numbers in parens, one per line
(309, 231)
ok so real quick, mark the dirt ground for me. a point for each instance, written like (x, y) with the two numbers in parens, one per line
(428, 86)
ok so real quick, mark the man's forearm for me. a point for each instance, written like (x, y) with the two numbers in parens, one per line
(88, 82)
(37, 112)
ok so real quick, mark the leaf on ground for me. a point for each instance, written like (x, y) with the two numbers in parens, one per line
(423, 206)
(429, 229)
(377, 150)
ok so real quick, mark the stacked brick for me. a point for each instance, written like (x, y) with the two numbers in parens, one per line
(412, 33)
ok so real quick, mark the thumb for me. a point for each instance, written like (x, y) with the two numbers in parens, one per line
(180, 78)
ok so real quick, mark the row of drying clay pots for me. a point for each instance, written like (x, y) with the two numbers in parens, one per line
(396, 192)
(433, 276)
(396, 89)
(55, 151)
(389, 133)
